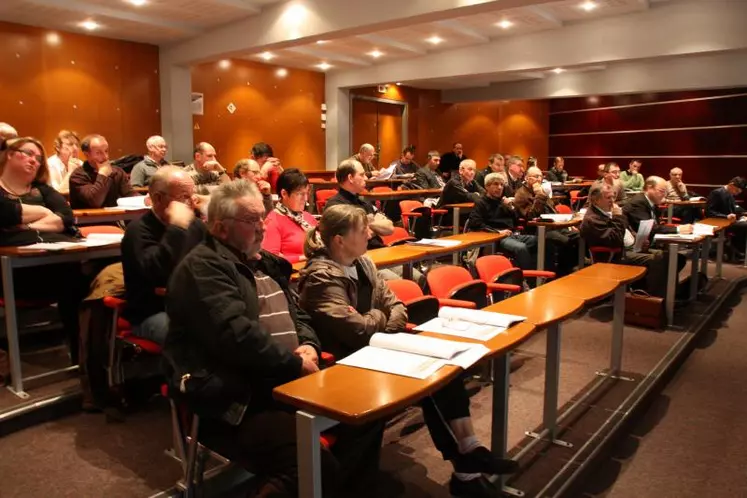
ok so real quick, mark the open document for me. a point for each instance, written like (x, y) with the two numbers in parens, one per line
(702, 229)
(93, 240)
(556, 217)
(472, 324)
(676, 236)
(413, 355)
(436, 242)
(134, 203)
(641, 236)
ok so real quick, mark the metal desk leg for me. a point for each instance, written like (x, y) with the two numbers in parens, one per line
(308, 429)
(499, 427)
(11, 326)
(670, 212)
(541, 230)
(704, 257)
(581, 253)
(618, 326)
(407, 271)
(694, 273)
(745, 255)
(455, 230)
(720, 252)
(671, 282)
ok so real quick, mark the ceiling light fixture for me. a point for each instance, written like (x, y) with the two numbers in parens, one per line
(558, 70)
(375, 54)
(589, 6)
(505, 24)
(322, 42)
(281, 72)
(90, 25)
(434, 40)
(324, 66)
(53, 38)
(224, 64)
(398, 83)
(268, 56)
(137, 3)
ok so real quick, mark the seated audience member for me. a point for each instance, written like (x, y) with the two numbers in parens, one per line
(143, 171)
(677, 191)
(406, 164)
(270, 167)
(7, 132)
(632, 179)
(531, 201)
(32, 211)
(206, 171)
(722, 204)
(557, 173)
(365, 156)
(611, 177)
(352, 181)
(234, 323)
(461, 188)
(98, 183)
(426, 177)
(600, 172)
(348, 302)
(645, 206)
(451, 161)
(249, 170)
(605, 225)
(154, 244)
(496, 164)
(495, 213)
(287, 224)
(515, 178)
(65, 161)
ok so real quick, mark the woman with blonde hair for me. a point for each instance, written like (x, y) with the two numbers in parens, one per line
(65, 161)
(348, 302)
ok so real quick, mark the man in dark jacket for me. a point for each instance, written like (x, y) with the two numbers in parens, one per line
(461, 188)
(426, 177)
(605, 225)
(152, 247)
(721, 204)
(557, 173)
(645, 206)
(451, 161)
(495, 213)
(496, 164)
(236, 333)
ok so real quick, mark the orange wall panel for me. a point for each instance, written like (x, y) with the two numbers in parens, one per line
(284, 112)
(83, 83)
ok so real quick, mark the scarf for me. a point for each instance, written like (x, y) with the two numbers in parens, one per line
(297, 217)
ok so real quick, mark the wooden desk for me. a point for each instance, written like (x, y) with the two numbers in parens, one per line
(14, 257)
(719, 228)
(469, 240)
(386, 257)
(106, 215)
(673, 246)
(542, 227)
(571, 185)
(671, 204)
(457, 209)
(400, 195)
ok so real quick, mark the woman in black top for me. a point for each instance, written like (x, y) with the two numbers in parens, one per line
(32, 211)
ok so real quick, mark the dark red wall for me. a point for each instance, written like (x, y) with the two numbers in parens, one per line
(700, 132)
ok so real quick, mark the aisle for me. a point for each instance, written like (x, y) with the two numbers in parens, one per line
(692, 442)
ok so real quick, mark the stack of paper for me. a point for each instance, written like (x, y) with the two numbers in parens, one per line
(413, 355)
(702, 229)
(557, 218)
(93, 240)
(472, 324)
(676, 236)
(437, 242)
(132, 203)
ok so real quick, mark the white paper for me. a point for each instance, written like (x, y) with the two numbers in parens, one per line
(676, 236)
(394, 362)
(134, 202)
(480, 317)
(558, 218)
(696, 199)
(386, 173)
(437, 242)
(644, 230)
(51, 246)
(702, 229)
(471, 324)
(419, 344)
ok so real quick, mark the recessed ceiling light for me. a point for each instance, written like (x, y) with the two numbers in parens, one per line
(398, 83)
(322, 42)
(137, 3)
(224, 64)
(505, 24)
(558, 70)
(281, 72)
(268, 56)
(90, 25)
(589, 6)
(324, 66)
(375, 54)
(53, 38)
(435, 40)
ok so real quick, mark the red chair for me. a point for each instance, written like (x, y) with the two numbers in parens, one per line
(420, 307)
(322, 196)
(87, 230)
(563, 209)
(600, 254)
(577, 201)
(416, 209)
(380, 190)
(455, 282)
(398, 237)
(499, 269)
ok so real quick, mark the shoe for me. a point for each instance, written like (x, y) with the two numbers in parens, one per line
(481, 460)
(474, 488)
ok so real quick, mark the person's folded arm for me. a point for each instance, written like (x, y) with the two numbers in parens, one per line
(49, 224)
(380, 224)
(55, 202)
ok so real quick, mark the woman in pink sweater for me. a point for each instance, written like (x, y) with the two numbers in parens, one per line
(287, 224)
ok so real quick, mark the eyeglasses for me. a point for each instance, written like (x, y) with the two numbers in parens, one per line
(28, 153)
(254, 220)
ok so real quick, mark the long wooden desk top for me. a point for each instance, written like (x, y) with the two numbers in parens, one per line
(541, 308)
(357, 396)
(555, 225)
(585, 288)
(621, 273)
(461, 205)
(679, 202)
(401, 194)
(387, 256)
(108, 212)
(467, 241)
(718, 223)
(571, 185)
(19, 252)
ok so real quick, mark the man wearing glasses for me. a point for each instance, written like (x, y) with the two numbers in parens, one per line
(645, 206)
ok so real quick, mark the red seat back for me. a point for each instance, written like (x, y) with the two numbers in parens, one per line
(489, 267)
(322, 196)
(443, 279)
(563, 209)
(382, 189)
(408, 207)
(420, 308)
(86, 230)
(399, 236)
(405, 290)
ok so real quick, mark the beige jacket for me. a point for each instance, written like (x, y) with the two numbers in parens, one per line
(330, 297)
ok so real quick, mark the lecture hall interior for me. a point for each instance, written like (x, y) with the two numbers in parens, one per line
(390, 249)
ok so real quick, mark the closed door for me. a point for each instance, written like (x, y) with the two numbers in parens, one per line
(379, 124)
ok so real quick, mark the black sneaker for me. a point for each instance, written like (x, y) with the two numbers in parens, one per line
(474, 488)
(481, 460)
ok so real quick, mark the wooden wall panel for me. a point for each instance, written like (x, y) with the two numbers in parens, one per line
(83, 83)
(699, 131)
(284, 112)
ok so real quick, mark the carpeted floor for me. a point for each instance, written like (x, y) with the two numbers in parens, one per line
(84, 456)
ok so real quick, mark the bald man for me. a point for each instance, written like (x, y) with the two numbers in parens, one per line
(143, 171)
(7, 131)
(461, 188)
(206, 171)
(677, 191)
(154, 244)
(645, 206)
(365, 156)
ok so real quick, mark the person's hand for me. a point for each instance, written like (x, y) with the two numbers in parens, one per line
(505, 233)
(264, 187)
(148, 201)
(685, 229)
(507, 201)
(213, 166)
(73, 164)
(537, 188)
(731, 217)
(105, 169)
(307, 352)
(646, 245)
(616, 210)
(180, 214)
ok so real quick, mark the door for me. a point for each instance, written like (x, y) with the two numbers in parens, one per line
(379, 124)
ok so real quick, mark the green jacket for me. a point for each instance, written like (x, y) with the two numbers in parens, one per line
(631, 181)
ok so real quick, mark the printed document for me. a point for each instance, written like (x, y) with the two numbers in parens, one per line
(437, 242)
(641, 236)
(471, 324)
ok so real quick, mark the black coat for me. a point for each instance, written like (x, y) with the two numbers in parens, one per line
(638, 209)
(721, 204)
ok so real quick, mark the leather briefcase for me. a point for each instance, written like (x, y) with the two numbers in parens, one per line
(644, 310)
